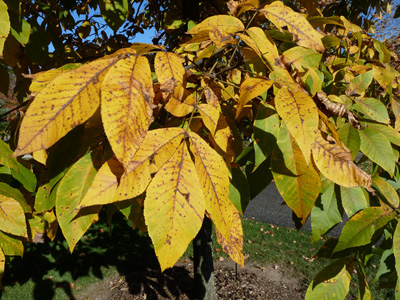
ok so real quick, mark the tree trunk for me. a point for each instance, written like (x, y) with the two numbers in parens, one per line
(204, 287)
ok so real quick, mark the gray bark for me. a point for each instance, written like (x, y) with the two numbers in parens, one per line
(204, 286)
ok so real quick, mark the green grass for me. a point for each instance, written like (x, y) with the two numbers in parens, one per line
(49, 271)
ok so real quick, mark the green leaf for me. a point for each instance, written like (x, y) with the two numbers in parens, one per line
(26, 177)
(70, 192)
(359, 229)
(325, 214)
(132, 209)
(20, 28)
(359, 84)
(114, 12)
(266, 128)
(12, 217)
(396, 252)
(42, 198)
(239, 192)
(37, 48)
(333, 282)
(351, 138)
(364, 292)
(4, 25)
(353, 200)
(377, 147)
(298, 184)
(388, 131)
(302, 58)
(10, 192)
(386, 190)
(372, 108)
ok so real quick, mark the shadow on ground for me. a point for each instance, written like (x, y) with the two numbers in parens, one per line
(122, 248)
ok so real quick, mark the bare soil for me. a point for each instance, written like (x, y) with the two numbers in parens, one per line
(253, 282)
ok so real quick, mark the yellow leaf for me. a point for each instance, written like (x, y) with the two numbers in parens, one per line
(12, 217)
(227, 23)
(181, 108)
(2, 266)
(214, 180)
(336, 164)
(156, 149)
(300, 114)
(296, 23)
(143, 48)
(234, 245)
(66, 102)
(174, 207)
(220, 38)
(219, 129)
(126, 90)
(251, 88)
(40, 156)
(247, 5)
(264, 44)
(169, 70)
(104, 185)
(41, 79)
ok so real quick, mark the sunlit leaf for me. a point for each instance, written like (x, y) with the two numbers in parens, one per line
(2, 267)
(66, 102)
(333, 282)
(359, 84)
(227, 23)
(214, 180)
(302, 58)
(4, 28)
(70, 192)
(298, 183)
(359, 229)
(156, 149)
(174, 207)
(264, 45)
(181, 108)
(300, 114)
(337, 165)
(125, 93)
(296, 23)
(396, 252)
(12, 217)
(11, 192)
(216, 123)
(234, 245)
(11, 245)
(372, 108)
(250, 89)
(386, 191)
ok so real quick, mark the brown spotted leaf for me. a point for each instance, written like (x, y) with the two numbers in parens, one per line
(214, 180)
(174, 207)
(125, 93)
(281, 16)
(169, 70)
(67, 101)
(336, 164)
(156, 149)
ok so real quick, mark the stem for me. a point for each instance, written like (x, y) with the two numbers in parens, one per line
(204, 287)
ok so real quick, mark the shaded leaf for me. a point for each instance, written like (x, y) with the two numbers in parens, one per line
(359, 229)
(125, 93)
(396, 252)
(351, 138)
(325, 214)
(300, 114)
(174, 207)
(373, 108)
(11, 192)
(353, 200)
(359, 84)
(298, 183)
(11, 245)
(103, 188)
(336, 164)
(114, 12)
(377, 147)
(239, 192)
(12, 217)
(70, 192)
(132, 209)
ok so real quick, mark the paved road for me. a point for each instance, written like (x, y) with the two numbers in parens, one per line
(267, 207)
